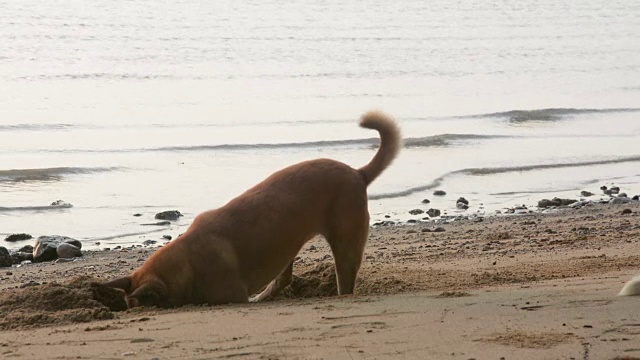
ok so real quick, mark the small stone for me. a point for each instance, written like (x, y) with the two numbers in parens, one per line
(169, 215)
(167, 237)
(61, 203)
(636, 197)
(462, 200)
(462, 206)
(137, 215)
(18, 237)
(68, 251)
(26, 249)
(433, 213)
(586, 193)
(439, 193)
(426, 201)
(615, 189)
(603, 188)
(439, 229)
(626, 211)
(618, 200)
(415, 212)
(622, 195)
(148, 242)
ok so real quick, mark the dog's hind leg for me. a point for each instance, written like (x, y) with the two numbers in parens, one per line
(276, 285)
(347, 245)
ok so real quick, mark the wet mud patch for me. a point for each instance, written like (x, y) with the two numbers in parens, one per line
(80, 300)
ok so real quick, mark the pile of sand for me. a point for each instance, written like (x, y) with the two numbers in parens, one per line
(320, 281)
(82, 299)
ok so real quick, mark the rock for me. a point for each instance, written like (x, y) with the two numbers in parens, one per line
(26, 249)
(167, 237)
(439, 193)
(545, 203)
(615, 189)
(46, 247)
(586, 193)
(67, 251)
(636, 197)
(426, 201)
(426, 230)
(137, 215)
(626, 211)
(619, 200)
(608, 192)
(622, 195)
(462, 206)
(416, 212)
(169, 215)
(20, 257)
(433, 212)
(5, 258)
(18, 237)
(439, 229)
(61, 203)
(148, 242)
(462, 200)
(603, 188)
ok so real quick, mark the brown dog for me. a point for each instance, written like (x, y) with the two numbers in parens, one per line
(232, 252)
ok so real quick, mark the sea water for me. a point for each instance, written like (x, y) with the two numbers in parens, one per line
(135, 107)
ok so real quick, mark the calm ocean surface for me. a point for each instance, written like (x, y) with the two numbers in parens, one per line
(124, 107)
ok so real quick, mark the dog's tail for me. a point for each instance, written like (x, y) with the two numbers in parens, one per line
(632, 287)
(390, 143)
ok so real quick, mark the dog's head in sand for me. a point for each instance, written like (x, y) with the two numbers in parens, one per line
(248, 246)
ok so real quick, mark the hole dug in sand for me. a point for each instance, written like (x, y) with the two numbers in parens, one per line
(82, 299)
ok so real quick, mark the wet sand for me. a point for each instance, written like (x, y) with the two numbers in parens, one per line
(540, 285)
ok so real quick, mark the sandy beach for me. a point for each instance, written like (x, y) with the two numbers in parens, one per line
(540, 285)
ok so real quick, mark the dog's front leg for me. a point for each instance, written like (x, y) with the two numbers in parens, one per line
(276, 285)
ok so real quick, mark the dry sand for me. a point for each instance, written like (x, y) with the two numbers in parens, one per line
(523, 286)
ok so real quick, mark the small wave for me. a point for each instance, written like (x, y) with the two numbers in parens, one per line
(21, 127)
(498, 170)
(48, 174)
(421, 142)
(551, 114)
(35, 208)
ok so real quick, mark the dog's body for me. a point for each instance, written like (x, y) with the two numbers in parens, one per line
(232, 252)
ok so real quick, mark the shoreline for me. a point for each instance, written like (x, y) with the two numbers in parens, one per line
(502, 286)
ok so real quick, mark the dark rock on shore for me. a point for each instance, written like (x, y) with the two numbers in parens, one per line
(19, 257)
(149, 242)
(159, 223)
(5, 258)
(433, 213)
(603, 188)
(626, 211)
(61, 203)
(635, 197)
(439, 193)
(462, 200)
(168, 215)
(46, 248)
(586, 193)
(545, 203)
(426, 201)
(615, 190)
(18, 237)
(67, 251)
(620, 200)
(416, 212)
(26, 249)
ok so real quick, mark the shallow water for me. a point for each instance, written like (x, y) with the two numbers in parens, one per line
(137, 107)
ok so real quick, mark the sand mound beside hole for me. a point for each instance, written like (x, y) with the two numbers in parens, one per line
(320, 281)
(82, 299)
